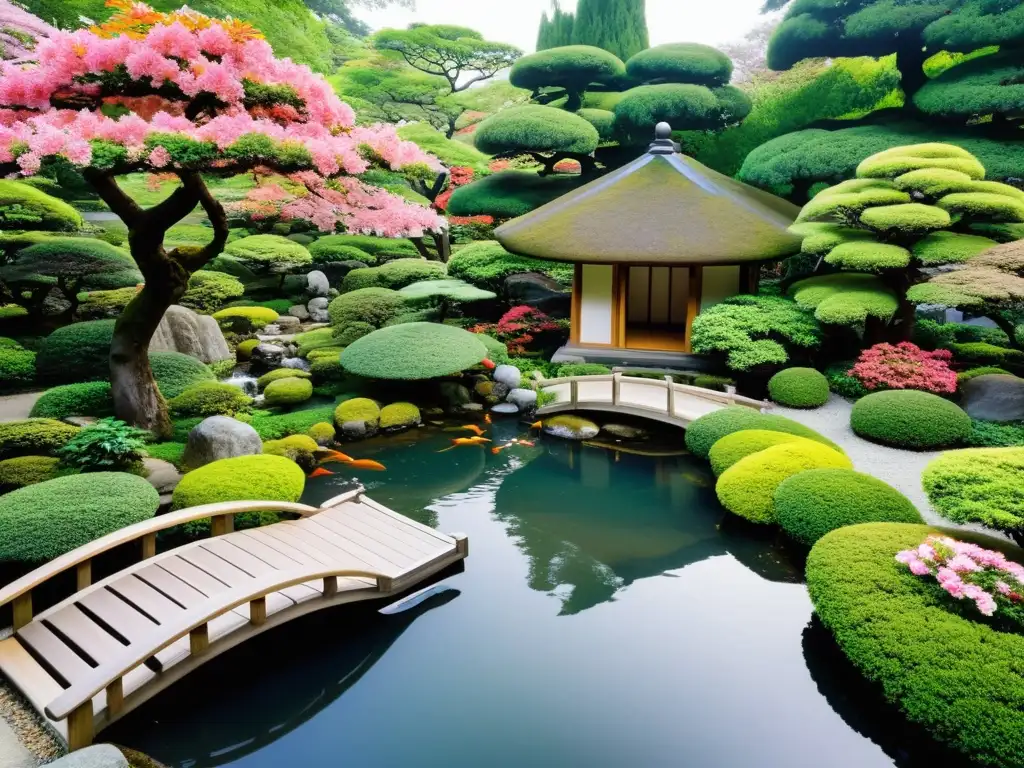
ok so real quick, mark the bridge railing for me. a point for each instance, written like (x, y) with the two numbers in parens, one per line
(667, 383)
(221, 515)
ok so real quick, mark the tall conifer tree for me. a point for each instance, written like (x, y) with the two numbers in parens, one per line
(555, 30)
(618, 26)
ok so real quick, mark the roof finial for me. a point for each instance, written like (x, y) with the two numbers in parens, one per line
(663, 144)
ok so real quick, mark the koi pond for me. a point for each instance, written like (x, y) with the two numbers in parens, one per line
(610, 614)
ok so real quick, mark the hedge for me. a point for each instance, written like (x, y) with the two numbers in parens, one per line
(27, 470)
(374, 246)
(288, 391)
(909, 419)
(979, 485)
(535, 128)
(17, 366)
(509, 194)
(74, 353)
(373, 306)
(358, 409)
(33, 437)
(394, 274)
(705, 431)
(486, 264)
(241, 478)
(209, 291)
(90, 398)
(269, 253)
(983, 353)
(281, 373)
(738, 445)
(747, 488)
(24, 207)
(209, 399)
(799, 388)
(399, 416)
(46, 520)
(583, 369)
(413, 351)
(175, 372)
(681, 63)
(812, 503)
(947, 671)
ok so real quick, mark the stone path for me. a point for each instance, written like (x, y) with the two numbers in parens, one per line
(17, 407)
(13, 754)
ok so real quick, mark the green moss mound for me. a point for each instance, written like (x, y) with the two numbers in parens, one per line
(287, 391)
(273, 426)
(394, 274)
(413, 351)
(175, 372)
(799, 388)
(90, 398)
(374, 246)
(281, 373)
(209, 399)
(372, 306)
(322, 432)
(739, 445)
(979, 485)
(486, 264)
(358, 409)
(27, 470)
(704, 432)
(957, 677)
(536, 128)
(509, 194)
(24, 207)
(244, 349)
(257, 478)
(815, 502)
(272, 254)
(327, 254)
(17, 366)
(209, 291)
(77, 352)
(681, 63)
(747, 488)
(908, 419)
(33, 437)
(46, 520)
(245, 318)
(399, 416)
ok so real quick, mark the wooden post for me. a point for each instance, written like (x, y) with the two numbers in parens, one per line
(22, 610)
(671, 386)
(461, 544)
(199, 640)
(258, 611)
(385, 584)
(330, 586)
(83, 574)
(574, 394)
(80, 727)
(115, 697)
(148, 546)
(615, 387)
(222, 524)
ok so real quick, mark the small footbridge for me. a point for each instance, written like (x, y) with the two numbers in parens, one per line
(659, 399)
(92, 658)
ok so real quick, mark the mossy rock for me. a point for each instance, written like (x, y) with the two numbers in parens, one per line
(298, 448)
(361, 410)
(288, 391)
(281, 373)
(322, 432)
(570, 427)
(399, 416)
(244, 349)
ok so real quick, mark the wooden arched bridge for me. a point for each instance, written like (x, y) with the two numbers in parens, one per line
(659, 399)
(92, 658)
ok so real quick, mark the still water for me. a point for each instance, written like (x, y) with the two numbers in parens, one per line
(609, 614)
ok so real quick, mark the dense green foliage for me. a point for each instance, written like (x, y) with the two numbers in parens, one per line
(288, 391)
(211, 398)
(89, 398)
(583, 369)
(108, 445)
(375, 246)
(909, 419)
(486, 264)
(619, 26)
(738, 445)
(209, 291)
(175, 372)
(812, 503)
(43, 521)
(747, 488)
(74, 353)
(373, 307)
(684, 106)
(705, 431)
(275, 426)
(24, 207)
(979, 485)
(271, 254)
(555, 31)
(535, 128)
(572, 67)
(947, 670)
(27, 470)
(847, 298)
(413, 351)
(509, 194)
(393, 274)
(17, 365)
(799, 388)
(681, 63)
(33, 437)
(449, 152)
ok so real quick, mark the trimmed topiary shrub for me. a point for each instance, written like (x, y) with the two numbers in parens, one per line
(209, 399)
(365, 243)
(358, 409)
(77, 352)
(271, 254)
(328, 253)
(25, 207)
(747, 488)
(259, 478)
(535, 128)
(175, 372)
(209, 291)
(979, 485)
(399, 416)
(244, 319)
(27, 470)
(373, 306)
(799, 388)
(815, 502)
(322, 432)
(681, 63)
(17, 366)
(509, 194)
(287, 391)
(394, 274)
(44, 521)
(983, 353)
(33, 437)
(413, 351)
(909, 419)
(946, 671)
(583, 369)
(486, 265)
(90, 398)
(739, 445)
(281, 373)
(572, 67)
(683, 105)
(244, 349)
(704, 432)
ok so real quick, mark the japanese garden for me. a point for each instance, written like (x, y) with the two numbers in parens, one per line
(612, 384)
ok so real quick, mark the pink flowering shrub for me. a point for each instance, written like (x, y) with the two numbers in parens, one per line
(522, 328)
(967, 571)
(19, 31)
(568, 166)
(905, 366)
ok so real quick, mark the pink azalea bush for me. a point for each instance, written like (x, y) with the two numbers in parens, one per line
(17, 24)
(967, 571)
(905, 366)
(520, 328)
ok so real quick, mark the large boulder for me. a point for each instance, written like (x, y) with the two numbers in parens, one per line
(570, 427)
(994, 397)
(268, 356)
(508, 375)
(317, 283)
(96, 756)
(298, 311)
(523, 399)
(161, 474)
(220, 437)
(538, 291)
(199, 336)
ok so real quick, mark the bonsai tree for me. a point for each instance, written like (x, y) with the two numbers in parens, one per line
(210, 98)
(458, 54)
(909, 208)
(570, 70)
(687, 87)
(547, 134)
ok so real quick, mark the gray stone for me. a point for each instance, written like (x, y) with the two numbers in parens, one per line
(624, 431)
(319, 303)
(505, 409)
(317, 283)
(298, 311)
(508, 375)
(161, 474)
(354, 430)
(524, 399)
(570, 427)
(500, 391)
(994, 397)
(320, 316)
(182, 330)
(288, 322)
(470, 408)
(295, 362)
(539, 291)
(268, 355)
(80, 421)
(273, 329)
(454, 394)
(96, 756)
(220, 437)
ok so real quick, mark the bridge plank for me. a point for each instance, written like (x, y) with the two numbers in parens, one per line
(261, 548)
(170, 585)
(345, 552)
(217, 567)
(194, 577)
(146, 599)
(418, 540)
(34, 682)
(395, 559)
(52, 653)
(123, 618)
(393, 539)
(227, 549)
(86, 635)
(282, 538)
(434, 537)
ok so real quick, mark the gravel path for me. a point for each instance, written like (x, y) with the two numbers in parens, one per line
(17, 407)
(33, 744)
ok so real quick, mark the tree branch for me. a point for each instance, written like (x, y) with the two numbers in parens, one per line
(107, 188)
(164, 215)
(218, 218)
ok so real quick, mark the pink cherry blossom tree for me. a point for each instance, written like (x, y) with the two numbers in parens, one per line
(197, 96)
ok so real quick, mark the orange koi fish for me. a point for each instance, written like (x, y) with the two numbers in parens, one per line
(465, 441)
(536, 425)
(473, 428)
(487, 418)
(367, 464)
(497, 449)
(329, 455)
(319, 472)
(527, 443)
(488, 364)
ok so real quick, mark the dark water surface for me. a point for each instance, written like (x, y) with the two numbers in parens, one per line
(608, 615)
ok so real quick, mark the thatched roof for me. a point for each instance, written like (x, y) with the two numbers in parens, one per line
(663, 208)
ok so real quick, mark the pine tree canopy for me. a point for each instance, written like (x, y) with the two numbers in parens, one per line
(618, 26)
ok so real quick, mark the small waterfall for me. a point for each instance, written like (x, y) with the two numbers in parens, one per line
(244, 382)
(295, 362)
